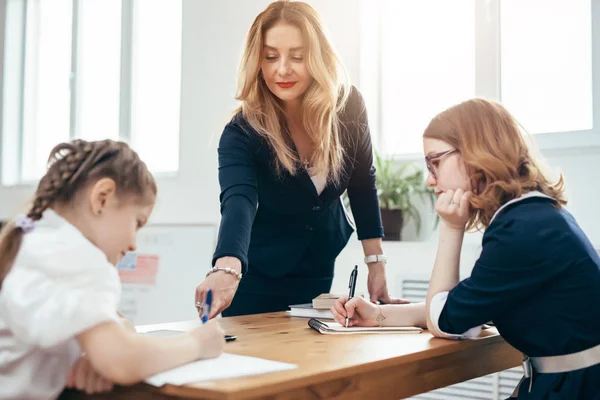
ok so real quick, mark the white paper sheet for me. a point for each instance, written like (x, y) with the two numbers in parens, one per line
(226, 366)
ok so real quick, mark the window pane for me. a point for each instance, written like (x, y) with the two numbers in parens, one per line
(47, 72)
(546, 63)
(428, 64)
(12, 80)
(156, 76)
(98, 69)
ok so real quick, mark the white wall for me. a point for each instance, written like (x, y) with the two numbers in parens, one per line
(213, 35)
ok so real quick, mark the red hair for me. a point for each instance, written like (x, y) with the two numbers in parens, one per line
(496, 155)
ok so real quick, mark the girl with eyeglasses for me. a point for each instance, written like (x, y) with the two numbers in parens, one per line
(538, 275)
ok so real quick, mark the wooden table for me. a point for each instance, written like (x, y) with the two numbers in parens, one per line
(376, 366)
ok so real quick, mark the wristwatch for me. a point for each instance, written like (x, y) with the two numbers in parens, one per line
(376, 258)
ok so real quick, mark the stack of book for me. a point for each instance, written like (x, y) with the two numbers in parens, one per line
(325, 301)
(319, 308)
(308, 311)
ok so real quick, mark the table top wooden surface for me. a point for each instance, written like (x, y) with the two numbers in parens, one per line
(381, 366)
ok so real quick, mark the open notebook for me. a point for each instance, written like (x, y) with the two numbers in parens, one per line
(333, 328)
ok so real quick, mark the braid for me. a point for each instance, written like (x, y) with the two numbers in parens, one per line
(70, 167)
(72, 164)
(67, 162)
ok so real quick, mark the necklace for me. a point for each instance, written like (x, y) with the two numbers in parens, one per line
(305, 163)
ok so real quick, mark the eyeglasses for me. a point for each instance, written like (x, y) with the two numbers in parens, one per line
(432, 161)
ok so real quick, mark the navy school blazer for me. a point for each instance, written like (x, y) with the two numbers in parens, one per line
(271, 221)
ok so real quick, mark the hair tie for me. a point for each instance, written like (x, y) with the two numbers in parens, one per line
(25, 223)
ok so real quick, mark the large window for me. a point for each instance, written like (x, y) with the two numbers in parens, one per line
(92, 69)
(546, 53)
(420, 57)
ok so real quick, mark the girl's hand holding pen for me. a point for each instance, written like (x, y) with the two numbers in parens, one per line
(210, 336)
(210, 339)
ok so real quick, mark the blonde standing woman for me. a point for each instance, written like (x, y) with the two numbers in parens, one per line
(299, 139)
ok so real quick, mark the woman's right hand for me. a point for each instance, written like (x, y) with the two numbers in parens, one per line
(210, 338)
(453, 208)
(360, 312)
(223, 286)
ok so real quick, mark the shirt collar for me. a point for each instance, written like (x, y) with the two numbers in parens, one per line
(524, 196)
(53, 222)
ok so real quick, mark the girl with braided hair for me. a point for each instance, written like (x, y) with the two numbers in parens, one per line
(59, 288)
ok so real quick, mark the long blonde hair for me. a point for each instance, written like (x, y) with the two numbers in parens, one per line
(496, 155)
(321, 103)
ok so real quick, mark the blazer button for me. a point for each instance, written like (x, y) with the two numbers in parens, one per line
(316, 208)
(309, 228)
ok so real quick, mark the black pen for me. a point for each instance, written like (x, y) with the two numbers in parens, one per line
(352, 287)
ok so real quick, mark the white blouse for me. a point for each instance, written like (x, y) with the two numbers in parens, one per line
(319, 180)
(59, 286)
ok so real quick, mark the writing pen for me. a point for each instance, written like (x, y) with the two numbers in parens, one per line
(352, 287)
(207, 304)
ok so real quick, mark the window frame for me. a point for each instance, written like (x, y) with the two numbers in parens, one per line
(487, 76)
(16, 177)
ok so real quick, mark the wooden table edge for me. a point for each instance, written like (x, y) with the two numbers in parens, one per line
(194, 392)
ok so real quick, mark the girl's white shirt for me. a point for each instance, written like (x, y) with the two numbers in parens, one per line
(60, 285)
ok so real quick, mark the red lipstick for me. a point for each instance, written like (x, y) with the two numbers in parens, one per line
(285, 85)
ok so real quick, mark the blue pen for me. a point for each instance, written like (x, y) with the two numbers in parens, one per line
(206, 309)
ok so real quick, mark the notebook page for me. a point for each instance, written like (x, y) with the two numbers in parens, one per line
(335, 328)
(224, 367)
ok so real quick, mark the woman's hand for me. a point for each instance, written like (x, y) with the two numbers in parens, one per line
(377, 285)
(223, 286)
(82, 376)
(360, 312)
(453, 208)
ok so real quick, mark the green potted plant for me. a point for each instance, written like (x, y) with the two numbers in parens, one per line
(398, 186)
